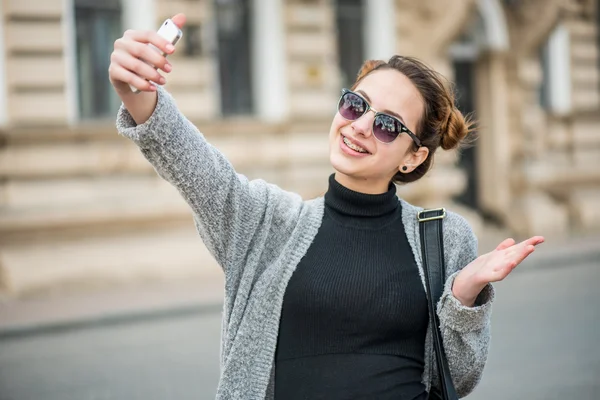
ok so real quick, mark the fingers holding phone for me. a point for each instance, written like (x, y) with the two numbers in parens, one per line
(167, 36)
(138, 54)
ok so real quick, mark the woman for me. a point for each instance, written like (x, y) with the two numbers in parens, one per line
(325, 299)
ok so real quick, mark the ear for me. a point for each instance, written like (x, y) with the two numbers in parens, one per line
(413, 159)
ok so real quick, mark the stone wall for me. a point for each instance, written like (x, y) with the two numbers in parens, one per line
(554, 188)
(79, 205)
(34, 37)
(584, 196)
(312, 60)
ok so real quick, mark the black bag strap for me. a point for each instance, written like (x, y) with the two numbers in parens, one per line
(432, 250)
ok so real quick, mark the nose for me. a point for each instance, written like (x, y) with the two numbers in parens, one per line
(364, 124)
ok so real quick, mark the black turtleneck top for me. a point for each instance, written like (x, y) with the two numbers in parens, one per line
(354, 314)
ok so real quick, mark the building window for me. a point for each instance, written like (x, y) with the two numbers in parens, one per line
(465, 52)
(598, 37)
(233, 36)
(98, 25)
(192, 43)
(350, 38)
(555, 59)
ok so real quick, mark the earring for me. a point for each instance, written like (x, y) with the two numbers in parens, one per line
(404, 168)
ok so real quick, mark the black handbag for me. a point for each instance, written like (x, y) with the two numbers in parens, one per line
(432, 250)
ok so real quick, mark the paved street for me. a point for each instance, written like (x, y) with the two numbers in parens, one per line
(545, 333)
(545, 346)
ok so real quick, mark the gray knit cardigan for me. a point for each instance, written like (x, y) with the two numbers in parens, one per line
(258, 233)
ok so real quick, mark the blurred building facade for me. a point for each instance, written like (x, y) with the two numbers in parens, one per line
(261, 78)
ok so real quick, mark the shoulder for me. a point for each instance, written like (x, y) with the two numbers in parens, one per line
(454, 223)
(460, 242)
(285, 205)
(286, 197)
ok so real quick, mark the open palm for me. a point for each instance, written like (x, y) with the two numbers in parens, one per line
(492, 267)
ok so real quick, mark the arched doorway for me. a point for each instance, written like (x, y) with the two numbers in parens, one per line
(478, 57)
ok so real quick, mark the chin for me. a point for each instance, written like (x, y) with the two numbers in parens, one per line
(343, 165)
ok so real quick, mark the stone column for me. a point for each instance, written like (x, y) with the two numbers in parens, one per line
(139, 14)
(380, 29)
(559, 71)
(69, 32)
(494, 144)
(314, 79)
(3, 93)
(269, 60)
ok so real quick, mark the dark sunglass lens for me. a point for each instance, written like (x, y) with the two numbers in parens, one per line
(386, 128)
(351, 106)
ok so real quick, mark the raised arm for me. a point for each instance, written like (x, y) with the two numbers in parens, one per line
(230, 211)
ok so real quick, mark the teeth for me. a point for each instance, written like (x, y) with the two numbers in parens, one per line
(354, 147)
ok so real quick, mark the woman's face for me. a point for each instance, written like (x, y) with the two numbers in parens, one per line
(390, 92)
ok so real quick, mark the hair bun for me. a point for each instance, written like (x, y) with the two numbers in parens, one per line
(455, 130)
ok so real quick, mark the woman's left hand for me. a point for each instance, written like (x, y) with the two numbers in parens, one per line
(491, 267)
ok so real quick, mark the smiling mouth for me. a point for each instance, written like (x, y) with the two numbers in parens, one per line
(354, 147)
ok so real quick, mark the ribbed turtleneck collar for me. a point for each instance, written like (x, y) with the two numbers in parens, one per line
(351, 203)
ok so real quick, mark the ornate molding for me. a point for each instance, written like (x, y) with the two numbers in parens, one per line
(530, 22)
(427, 27)
(587, 8)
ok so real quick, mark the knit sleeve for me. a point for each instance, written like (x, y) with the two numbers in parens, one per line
(228, 209)
(465, 330)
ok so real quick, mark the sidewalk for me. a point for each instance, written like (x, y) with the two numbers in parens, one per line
(124, 304)
(57, 313)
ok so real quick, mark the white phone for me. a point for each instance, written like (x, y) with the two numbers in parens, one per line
(169, 31)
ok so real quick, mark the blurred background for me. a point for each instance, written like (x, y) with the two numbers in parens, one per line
(106, 291)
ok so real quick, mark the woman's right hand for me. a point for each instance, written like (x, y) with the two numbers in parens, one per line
(127, 66)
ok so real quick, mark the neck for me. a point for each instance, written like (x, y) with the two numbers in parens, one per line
(366, 186)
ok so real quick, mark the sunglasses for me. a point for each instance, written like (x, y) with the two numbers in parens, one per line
(386, 128)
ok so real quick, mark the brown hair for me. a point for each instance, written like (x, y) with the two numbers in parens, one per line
(442, 124)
